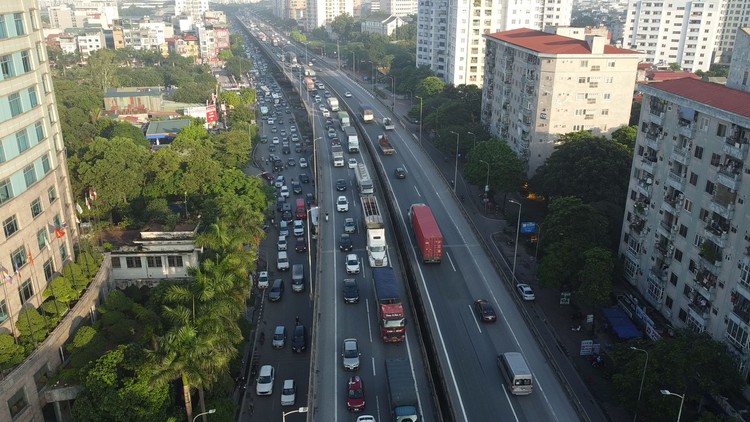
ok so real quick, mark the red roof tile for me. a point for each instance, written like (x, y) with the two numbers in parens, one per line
(544, 42)
(708, 93)
(668, 75)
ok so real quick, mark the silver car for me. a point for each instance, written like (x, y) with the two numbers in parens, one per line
(350, 354)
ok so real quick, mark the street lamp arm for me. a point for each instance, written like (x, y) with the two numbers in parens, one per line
(209, 412)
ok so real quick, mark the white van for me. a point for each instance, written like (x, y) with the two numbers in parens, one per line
(516, 373)
(298, 278)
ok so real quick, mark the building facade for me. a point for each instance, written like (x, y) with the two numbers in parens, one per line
(323, 12)
(540, 85)
(739, 71)
(685, 241)
(381, 24)
(735, 16)
(681, 31)
(449, 34)
(399, 8)
(192, 8)
(36, 208)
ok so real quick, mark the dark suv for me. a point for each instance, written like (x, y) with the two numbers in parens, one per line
(299, 341)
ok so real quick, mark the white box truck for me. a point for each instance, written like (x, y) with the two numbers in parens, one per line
(352, 140)
(333, 104)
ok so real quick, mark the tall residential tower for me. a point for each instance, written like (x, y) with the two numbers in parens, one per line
(449, 34)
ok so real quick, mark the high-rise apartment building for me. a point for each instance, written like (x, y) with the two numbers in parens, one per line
(539, 85)
(36, 208)
(449, 34)
(685, 241)
(192, 8)
(739, 71)
(322, 12)
(693, 34)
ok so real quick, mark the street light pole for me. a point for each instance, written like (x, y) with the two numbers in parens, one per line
(682, 400)
(487, 180)
(393, 91)
(643, 377)
(475, 138)
(420, 120)
(212, 411)
(518, 230)
(300, 410)
(455, 172)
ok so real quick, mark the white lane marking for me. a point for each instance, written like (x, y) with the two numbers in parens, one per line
(507, 397)
(471, 311)
(450, 260)
(373, 367)
(369, 321)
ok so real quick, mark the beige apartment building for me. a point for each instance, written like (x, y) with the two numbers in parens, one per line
(540, 85)
(685, 235)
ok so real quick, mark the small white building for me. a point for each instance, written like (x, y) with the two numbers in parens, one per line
(383, 24)
(154, 255)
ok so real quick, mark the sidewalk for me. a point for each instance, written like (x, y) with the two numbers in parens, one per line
(552, 320)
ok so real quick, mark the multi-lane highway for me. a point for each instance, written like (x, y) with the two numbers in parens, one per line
(466, 347)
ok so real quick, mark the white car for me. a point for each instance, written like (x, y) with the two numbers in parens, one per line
(264, 382)
(284, 191)
(352, 163)
(263, 279)
(275, 140)
(352, 264)
(348, 94)
(326, 113)
(282, 261)
(281, 244)
(302, 163)
(526, 292)
(342, 204)
(279, 181)
(322, 107)
(299, 228)
(288, 393)
(366, 418)
(350, 354)
(317, 98)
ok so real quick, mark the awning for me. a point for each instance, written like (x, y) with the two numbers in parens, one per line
(621, 323)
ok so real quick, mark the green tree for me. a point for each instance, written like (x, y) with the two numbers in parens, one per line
(61, 289)
(225, 55)
(102, 68)
(626, 135)
(635, 114)
(430, 86)
(11, 354)
(495, 159)
(198, 169)
(109, 128)
(115, 167)
(675, 67)
(232, 149)
(32, 326)
(231, 98)
(688, 363)
(343, 25)
(596, 278)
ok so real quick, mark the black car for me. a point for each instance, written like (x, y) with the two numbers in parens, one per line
(264, 139)
(276, 290)
(304, 178)
(400, 173)
(345, 242)
(298, 148)
(286, 150)
(272, 148)
(340, 185)
(299, 341)
(291, 162)
(296, 188)
(484, 310)
(278, 165)
(350, 290)
(286, 212)
(309, 199)
(300, 244)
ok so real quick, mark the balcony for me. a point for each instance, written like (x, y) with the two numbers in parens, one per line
(645, 187)
(677, 181)
(730, 176)
(735, 148)
(648, 163)
(637, 226)
(640, 208)
(686, 128)
(681, 155)
(705, 284)
(653, 138)
(722, 207)
(656, 116)
(741, 306)
(673, 203)
(700, 311)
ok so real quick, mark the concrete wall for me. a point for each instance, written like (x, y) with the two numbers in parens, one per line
(30, 375)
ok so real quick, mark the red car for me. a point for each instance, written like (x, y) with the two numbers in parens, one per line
(355, 394)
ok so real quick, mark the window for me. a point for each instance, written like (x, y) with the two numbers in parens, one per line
(14, 100)
(673, 278)
(36, 207)
(2, 154)
(6, 67)
(704, 124)
(6, 191)
(29, 174)
(607, 96)
(133, 261)
(609, 80)
(3, 28)
(3, 311)
(688, 205)
(26, 61)
(584, 63)
(153, 261)
(693, 179)
(678, 255)
(611, 63)
(668, 302)
(45, 164)
(41, 239)
(683, 230)
(18, 18)
(49, 269)
(17, 403)
(10, 226)
(581, 80)
(33, 100)
(22, 140)
(605, 112)
(51, 113)
(52, 194)
(698, 153)
(174, 261)
(710, 187)
(63, 252)
(715, 160)
(721, 130)
(115, 262)
(32, 17)
(25, 290)
(39, 128)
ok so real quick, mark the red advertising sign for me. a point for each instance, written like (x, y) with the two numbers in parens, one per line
(211, 116)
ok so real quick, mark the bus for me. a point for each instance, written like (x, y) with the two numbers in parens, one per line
(309, 84)
(364, 183)
(516, 372)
